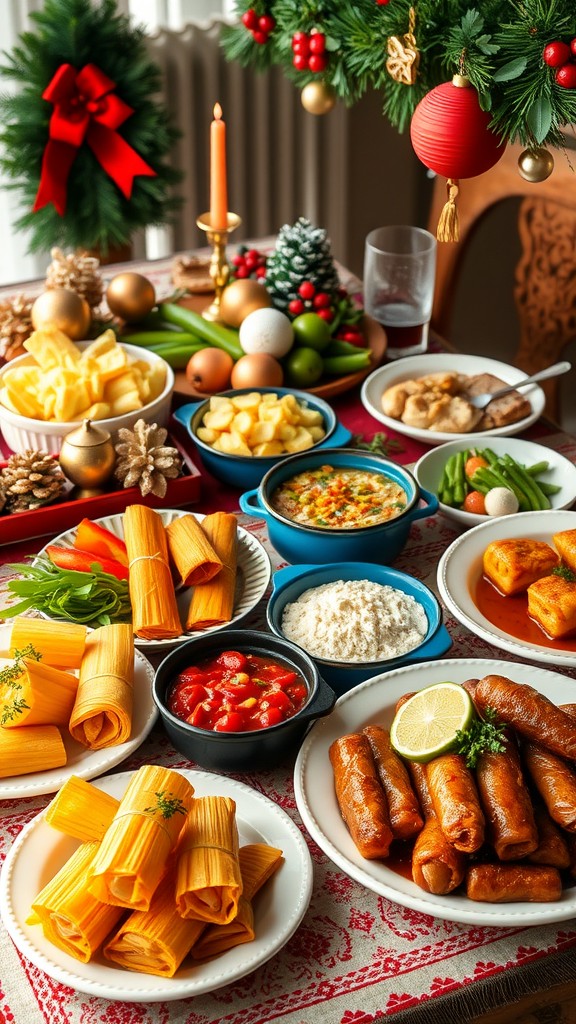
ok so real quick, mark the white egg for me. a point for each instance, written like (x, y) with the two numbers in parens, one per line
(500, 501)
(266, 330)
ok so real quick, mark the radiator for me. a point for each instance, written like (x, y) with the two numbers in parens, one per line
(283, 162)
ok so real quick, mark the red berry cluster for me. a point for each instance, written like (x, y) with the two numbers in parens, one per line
(249, 263)
(309, 51)
(562, 56)
(259, 25)
(312, 301)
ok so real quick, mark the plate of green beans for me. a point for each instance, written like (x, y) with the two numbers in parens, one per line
(470, 481)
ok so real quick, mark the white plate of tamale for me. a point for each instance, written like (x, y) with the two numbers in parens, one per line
(185, 606)
(374, 703)
(32, 745)
(278, 906)
(539, 620)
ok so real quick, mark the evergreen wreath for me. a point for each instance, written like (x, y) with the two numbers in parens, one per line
(97, 214)
(497, 44)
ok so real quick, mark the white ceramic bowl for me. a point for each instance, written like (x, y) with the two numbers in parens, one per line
(428, 471)
(22, 432)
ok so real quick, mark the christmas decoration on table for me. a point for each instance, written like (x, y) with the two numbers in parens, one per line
(15, 326)
(192, 274)
(519, 58)
(84, 141)
(302, 253)
(144, 460)
(130, 296)
(87, 457)
(30, 480)
(77, 271)
(63, 310)
(318, 98)
(247, 263)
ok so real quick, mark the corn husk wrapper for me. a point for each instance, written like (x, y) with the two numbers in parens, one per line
(81, 810)
(191, 551)
(102, 713)
(31, 748)
(154, 609)
(61, 644)
(42, 695)
(212, 603)
(208, 880)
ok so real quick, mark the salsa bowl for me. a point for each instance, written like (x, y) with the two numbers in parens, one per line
(247, 470)
(379, 542)
(258, 747)
(291, 582)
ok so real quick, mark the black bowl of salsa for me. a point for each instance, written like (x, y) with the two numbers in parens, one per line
(240, 700)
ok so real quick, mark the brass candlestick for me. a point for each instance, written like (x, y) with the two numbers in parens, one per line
(219, 268)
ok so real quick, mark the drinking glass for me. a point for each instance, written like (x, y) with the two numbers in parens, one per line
(399, 274)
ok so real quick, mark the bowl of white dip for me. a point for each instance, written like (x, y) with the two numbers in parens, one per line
(356, 619)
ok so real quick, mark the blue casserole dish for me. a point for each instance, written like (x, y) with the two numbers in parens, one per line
(243, 471)
(297, 543)
(293, 580)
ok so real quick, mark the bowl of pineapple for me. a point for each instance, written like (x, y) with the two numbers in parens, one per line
(48, 392)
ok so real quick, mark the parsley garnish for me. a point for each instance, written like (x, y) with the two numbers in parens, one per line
(481, 737)
(13, 672)
(567, 574)
(167, 805)
(381, 444)
(10, 711)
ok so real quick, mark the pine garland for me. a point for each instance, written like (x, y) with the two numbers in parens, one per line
(498, 44)
(97, 215)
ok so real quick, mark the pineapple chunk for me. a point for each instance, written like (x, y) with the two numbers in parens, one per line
(70, 397)
(261, 432)
(317, 433)
(156, 379)
(218, 402)
(128, 402)
(123, 384)
(287, 432)
(232, 443)
(50, 347)
(111, 363)
(301, 442)
(291, 408)
(221, 418)
(23, 401)
(106, 342)
(97, 411)
(269, 448)
(207, 435)
(272, 414)
(243, 423)
(310, 417)
(249, 401)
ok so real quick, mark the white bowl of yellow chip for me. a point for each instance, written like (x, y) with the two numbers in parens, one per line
(132, 383)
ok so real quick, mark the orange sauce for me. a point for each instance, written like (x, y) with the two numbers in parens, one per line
(399, 859)
(510, 615)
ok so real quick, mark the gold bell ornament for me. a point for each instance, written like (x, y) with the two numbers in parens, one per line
(87, 458)
(536, 164)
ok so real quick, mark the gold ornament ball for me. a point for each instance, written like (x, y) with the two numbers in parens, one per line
(318, 98)
(87, 456)
(240, 298)
(535, 164)
(63, 309)
(130, 296)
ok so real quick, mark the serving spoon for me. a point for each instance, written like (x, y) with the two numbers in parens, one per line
(481, 401)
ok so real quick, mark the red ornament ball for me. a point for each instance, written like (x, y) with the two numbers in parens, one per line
(566, 76)
(450, 133)
(556, 54)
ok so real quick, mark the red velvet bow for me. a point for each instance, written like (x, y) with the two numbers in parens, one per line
(85, 110)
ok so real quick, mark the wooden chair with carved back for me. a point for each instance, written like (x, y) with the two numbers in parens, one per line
(545, 276)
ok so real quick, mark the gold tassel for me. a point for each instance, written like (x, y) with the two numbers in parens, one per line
(448, 227)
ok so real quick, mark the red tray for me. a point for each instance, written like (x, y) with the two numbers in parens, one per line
(54, 519)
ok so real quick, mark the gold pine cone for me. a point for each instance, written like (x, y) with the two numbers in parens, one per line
(30, 480)
(144, 460)
(77, 271)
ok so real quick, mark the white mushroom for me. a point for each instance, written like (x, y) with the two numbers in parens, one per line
(500, 501)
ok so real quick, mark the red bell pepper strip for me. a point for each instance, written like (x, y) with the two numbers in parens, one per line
(81, 561)
(91, 536)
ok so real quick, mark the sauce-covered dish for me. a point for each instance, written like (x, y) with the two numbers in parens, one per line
(338, 505)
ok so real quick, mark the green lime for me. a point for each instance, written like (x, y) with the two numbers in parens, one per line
(311, 331)
(303, 366)
(426, 725)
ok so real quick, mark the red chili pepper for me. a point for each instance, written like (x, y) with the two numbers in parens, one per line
(81, 561)
(97, 539)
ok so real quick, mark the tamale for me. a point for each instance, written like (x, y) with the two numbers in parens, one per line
(258, 863)
(81, 810)
(134, 852)
(155, 941)
(102, 712)
(208, 880)
(212, 603)
(71, 917)
(61, 644)
(31, 748)
(40, 695)
(191, 551)
(154, 609)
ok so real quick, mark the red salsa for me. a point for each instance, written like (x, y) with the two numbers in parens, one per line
(235, 692)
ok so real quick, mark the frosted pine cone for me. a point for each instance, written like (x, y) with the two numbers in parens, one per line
(79, 272)
(31, 479)
(15, 326)
(144, 460)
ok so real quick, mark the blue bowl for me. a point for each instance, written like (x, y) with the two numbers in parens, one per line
(297, 543)
(243, 471)
(289, 583)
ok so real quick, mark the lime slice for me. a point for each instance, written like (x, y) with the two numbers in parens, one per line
(426, 725)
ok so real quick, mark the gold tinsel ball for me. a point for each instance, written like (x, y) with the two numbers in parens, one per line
(318, 98)
(240, 298)
(64, 309)
(535, 164)
(130, 296)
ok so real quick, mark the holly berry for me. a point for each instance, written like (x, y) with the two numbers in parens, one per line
(566, 76)
(317, 42)
(260, 37)
(250, 18)
(321, 301)
(300, 61)
(556, 54)
(307, 290)
(317, 62)
(325, 314)
(296, 307)
(266, 23)
(248, 263)
(299, 38)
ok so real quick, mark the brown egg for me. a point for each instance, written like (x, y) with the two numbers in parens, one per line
(241, 298)
(258, 370)
(64, 309)
(209, 370)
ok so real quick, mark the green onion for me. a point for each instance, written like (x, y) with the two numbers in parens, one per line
(94, 598)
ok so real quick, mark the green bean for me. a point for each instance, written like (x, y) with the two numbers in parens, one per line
(536, 468)
(339, 347)
(547, 488)
(487, 477)
(537, 498)
(147, 339)
(215, 334)
(459, 479)
(339, 365)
